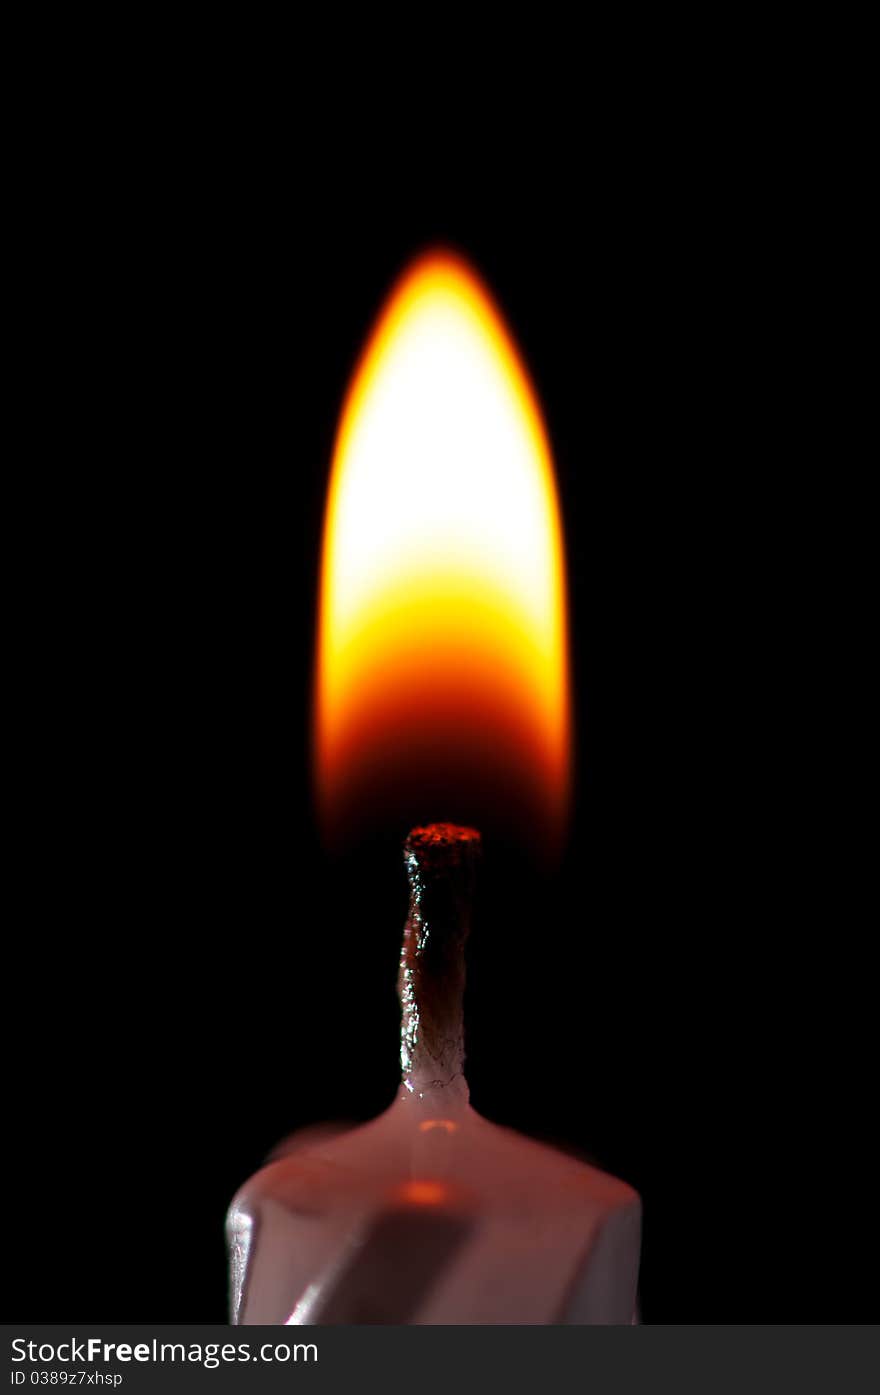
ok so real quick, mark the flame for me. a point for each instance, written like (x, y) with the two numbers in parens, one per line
(442, 667)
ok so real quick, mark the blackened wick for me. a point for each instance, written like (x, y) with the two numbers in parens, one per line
(441, 865)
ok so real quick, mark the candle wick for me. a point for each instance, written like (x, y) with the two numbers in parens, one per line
(440, 861)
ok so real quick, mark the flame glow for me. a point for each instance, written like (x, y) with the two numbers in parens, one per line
(442, 668)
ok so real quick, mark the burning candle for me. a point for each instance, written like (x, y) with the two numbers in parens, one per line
(442, 682)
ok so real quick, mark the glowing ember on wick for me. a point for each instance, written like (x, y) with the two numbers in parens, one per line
(442, 684)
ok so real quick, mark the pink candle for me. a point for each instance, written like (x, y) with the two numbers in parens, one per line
(431, 1214)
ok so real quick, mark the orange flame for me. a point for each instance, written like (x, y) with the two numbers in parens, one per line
(442, 667)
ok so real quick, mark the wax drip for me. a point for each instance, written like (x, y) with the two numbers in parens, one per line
(441, 864)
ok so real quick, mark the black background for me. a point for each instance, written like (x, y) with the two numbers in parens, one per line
(190, 976)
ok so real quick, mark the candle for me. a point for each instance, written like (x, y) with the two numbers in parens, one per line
(442, 685)
(431, 1214)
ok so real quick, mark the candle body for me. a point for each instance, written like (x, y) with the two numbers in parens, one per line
(433, 1217)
